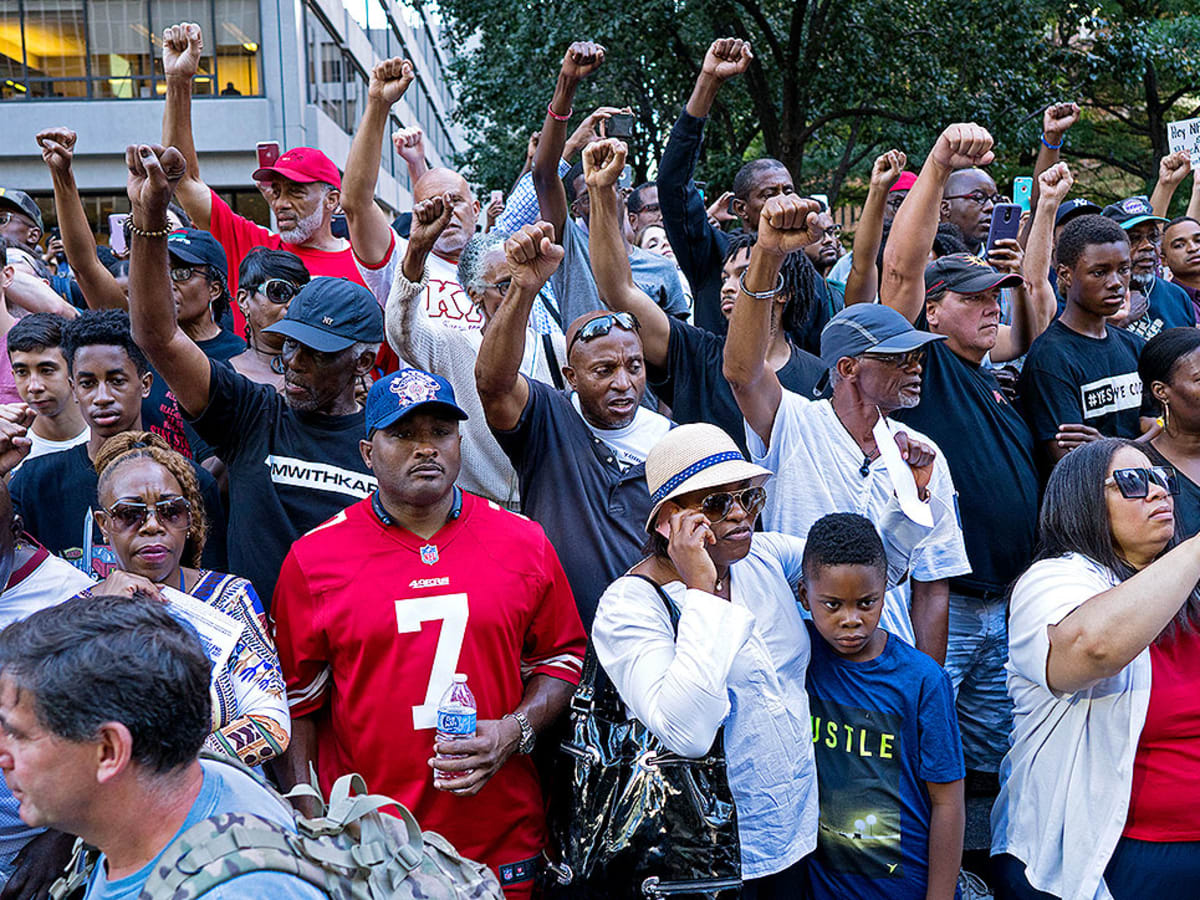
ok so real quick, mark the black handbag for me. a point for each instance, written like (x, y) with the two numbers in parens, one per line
(631, 819)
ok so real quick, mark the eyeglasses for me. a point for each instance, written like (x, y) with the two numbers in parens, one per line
(1134, 484)
(899, 360)
(1151, 236)
(278, 291)
(501, 286)
(602, 325)
(130, 515)
(832, 231)
(895, 198)
(648, 208)
(977, 197)
(717, 507)
(10, 216)
(180, 274)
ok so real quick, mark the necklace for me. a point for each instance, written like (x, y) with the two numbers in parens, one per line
(722, 580)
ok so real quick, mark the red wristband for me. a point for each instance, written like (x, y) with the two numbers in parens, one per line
(555, 116)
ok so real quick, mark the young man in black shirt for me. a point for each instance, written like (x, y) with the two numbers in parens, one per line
(685, 362)
(293, 459)
(55, 494)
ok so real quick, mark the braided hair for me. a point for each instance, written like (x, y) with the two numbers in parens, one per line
(132, 445)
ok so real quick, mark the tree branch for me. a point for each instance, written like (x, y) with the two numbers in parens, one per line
(855, 112)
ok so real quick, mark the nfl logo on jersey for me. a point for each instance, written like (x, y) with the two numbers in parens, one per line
(429, 554)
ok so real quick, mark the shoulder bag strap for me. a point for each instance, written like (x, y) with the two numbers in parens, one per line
(552, 361)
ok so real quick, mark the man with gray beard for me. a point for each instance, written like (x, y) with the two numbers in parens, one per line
(303, 187)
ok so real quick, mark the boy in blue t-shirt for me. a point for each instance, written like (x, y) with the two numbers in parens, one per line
(889, 758)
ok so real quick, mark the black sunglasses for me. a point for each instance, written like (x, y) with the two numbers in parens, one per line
(130, 515)
(1134, 484)
(716, 507)
(278, 290)
(602, 325)
(900, 360)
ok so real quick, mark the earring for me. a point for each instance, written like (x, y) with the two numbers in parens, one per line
(1166, 419)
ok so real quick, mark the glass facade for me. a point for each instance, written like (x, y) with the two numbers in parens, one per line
(111, 49)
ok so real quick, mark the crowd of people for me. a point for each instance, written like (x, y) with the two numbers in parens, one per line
(904, 533)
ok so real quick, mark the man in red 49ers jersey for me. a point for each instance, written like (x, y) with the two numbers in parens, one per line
(379, 607)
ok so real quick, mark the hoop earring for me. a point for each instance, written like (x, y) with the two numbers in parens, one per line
(1166, 416)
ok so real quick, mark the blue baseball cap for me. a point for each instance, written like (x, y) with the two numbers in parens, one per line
(198, 248)
(330, 315)
(406, 391)
(1132, 211)
(870, 328)
(1070, 209)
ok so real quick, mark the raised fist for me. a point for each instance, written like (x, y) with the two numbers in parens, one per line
(582, 59)
(154, 173)
(1057, 118)
(58, 148)
(183, 45)
(788, 223)
(1055, 183)
(726, 57)
(390, 79)
(963, 146)
(410, 144)
(887, 169)
(603, 162)
(532, 255)
(1174, 167)
(429, 219)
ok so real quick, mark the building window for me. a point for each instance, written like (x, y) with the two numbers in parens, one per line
(111, 49)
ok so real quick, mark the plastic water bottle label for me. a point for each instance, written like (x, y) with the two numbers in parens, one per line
(456, 723)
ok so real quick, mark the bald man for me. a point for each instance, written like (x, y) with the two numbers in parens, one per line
(378, 250)
(967, 203)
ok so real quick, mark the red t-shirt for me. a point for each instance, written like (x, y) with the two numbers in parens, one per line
(1166, 769)
(239, 236)
(372, 622)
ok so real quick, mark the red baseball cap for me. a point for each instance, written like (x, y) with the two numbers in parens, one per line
(303, 164)
(903, 183)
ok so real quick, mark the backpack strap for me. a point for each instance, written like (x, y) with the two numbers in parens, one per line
(552, 361)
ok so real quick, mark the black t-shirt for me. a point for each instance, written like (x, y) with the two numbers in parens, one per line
(1069, 378)
(1187, 501)
(224, 347)
(593, 513)
(161, 414)
(55, 495)
(289, 471)
(991, 455)
(693, 385)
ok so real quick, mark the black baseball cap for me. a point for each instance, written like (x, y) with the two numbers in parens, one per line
(199, 248)
(331, 314)
(22, 203)
(1069, 209)
(405, 391)
(1132, 211)
(870, 328)
(964, 273)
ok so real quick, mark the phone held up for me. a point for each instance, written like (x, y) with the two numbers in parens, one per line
(116, 233)
(619, 125)
(1006, 223)
(1023, 192)
(268, 153)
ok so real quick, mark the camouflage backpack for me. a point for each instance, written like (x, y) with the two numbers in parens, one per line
(352, 851)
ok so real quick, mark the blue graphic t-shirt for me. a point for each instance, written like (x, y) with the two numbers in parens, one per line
(881, 729)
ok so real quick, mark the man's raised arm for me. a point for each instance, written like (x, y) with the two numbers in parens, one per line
(183, 46)
(153, 176)
(916, 222)
(602, 165)
(532, 258)
(581, 59)
(863, 284)
(370, 232)
(788, 224)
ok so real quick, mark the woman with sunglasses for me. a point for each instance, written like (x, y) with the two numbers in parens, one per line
(1170, 370)
(267, 282)
(741, 652)
(152, 515)
(1100, 787)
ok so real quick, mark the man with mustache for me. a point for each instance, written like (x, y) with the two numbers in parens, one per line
(292, 458)
(378, 610)
(1181, 252)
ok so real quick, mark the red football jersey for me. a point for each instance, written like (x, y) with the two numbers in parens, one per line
(372, 622)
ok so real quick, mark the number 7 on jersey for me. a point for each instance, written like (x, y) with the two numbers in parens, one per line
(452, 611)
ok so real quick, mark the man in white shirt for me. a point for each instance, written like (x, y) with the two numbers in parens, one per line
(40, 371)
(825, 452)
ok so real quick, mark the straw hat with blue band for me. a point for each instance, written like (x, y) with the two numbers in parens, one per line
(692, 458)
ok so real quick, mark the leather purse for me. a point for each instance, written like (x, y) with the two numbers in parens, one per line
(631, 819)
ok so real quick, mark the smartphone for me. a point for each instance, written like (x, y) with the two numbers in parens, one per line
(338, 226)
(1023, 192)
(497, 196)
(619, 125)
(55, 234)
(268, 153)
(116, 233)
(1006, 223)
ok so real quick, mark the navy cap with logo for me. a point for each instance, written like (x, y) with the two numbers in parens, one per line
(406, 391)
(964, 273)
(1069, 209)
(870, 328)
(191, 245)
(22, 203)
(1132, 211)
(330, 315)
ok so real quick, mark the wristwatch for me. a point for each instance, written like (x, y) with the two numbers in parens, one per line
(528, 736)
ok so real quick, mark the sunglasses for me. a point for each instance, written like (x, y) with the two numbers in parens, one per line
(278, 291)
(900, 360)
(1134, 484)
(602, 325)
(716, 507)
(130, 515)
(501, 286)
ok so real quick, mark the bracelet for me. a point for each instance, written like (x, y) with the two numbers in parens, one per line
(761, 295)
(1050, 146)
(555, 116)
(141, 232)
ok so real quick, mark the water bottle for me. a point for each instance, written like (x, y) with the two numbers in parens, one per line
(455, 720)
